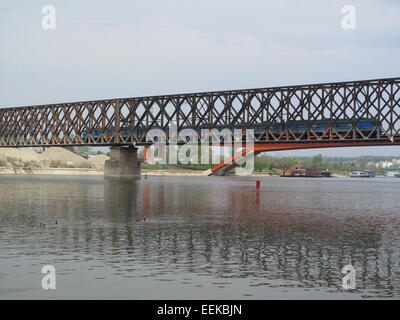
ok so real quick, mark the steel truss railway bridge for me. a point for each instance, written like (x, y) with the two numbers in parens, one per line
(342, 114)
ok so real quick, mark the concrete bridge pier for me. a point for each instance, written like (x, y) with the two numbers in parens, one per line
(123, 163)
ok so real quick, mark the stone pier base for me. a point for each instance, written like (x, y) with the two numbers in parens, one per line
(123, 163)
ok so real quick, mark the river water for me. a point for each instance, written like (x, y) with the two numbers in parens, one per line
(199, 237)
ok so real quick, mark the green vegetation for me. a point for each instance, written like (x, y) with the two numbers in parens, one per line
(332, 164)
(263, 163)
(273, 164)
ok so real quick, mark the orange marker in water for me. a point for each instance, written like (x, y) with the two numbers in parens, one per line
(258, 184)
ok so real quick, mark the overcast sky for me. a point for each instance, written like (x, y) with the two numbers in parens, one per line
(107, 49)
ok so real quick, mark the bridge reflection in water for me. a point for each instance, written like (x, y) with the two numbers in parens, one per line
(296, 237)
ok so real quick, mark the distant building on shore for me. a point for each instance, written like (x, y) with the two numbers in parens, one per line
(362, 174)
(395, 163)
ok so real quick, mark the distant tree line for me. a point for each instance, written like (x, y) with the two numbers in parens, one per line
(333, 164)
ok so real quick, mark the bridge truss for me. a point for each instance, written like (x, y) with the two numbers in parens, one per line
(273, 113)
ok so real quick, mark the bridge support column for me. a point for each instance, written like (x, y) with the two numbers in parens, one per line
(123, 163)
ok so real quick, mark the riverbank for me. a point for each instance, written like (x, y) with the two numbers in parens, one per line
(89, 171)
(100, 172)
(49, 171)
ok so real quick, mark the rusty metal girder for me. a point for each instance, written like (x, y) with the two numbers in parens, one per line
(126, 121)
